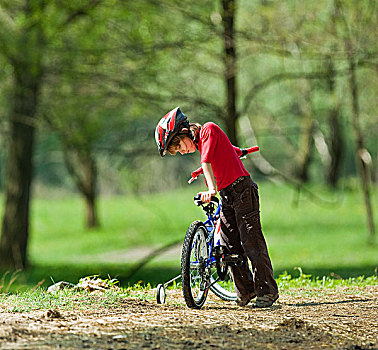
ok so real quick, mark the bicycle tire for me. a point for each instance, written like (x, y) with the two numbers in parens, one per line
(161, 294)
(193, 257)
(223, 289)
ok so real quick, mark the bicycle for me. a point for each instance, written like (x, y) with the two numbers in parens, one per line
(204, 261)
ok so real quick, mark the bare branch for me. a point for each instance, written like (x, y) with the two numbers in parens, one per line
(278, 78)
(275, 175)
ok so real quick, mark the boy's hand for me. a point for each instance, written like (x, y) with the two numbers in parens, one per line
(206, 196)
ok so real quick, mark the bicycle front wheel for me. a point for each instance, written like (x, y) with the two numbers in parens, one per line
(194, 259)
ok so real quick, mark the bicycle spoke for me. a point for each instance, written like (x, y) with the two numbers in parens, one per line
(194, 258)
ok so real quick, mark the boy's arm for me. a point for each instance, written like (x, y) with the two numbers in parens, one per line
(211, 184)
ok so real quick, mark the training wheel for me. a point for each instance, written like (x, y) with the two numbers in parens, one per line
(160, 294)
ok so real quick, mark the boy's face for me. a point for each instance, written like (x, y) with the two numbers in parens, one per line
(185, 146)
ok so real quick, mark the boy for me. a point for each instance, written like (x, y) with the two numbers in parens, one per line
(240, 215)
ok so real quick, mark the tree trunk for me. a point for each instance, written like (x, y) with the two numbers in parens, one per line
(305, 149)
(92, 218)
(362, 161)
(15, 228)
(229, 9)
(90, 193)
(82, 167)
(26, 59)
(336, 140)
(305, 143)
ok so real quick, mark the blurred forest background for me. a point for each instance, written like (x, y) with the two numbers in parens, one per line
(84, 83)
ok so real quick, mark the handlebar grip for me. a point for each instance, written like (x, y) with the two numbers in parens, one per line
(191, 180)
(248, 150)
(198, 202)
(253, 149)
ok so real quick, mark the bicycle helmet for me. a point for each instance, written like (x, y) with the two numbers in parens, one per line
(168, 127)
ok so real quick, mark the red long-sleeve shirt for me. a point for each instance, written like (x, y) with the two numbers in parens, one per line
(216, 149)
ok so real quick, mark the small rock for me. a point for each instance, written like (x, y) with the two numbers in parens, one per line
(59, 286)
(52, 313)
(120, 337)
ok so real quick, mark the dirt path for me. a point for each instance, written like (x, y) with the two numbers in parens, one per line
(139, 253)
(342, 319)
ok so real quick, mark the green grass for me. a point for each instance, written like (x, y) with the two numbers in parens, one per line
(323, 239)
(113, 298)
(59, 234)
(318, 236)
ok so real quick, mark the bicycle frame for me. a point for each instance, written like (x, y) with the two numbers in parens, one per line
(212, 225)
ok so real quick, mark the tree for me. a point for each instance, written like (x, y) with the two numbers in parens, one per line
(26, 29)
(25, 55)
(363, 158)
(336, 140)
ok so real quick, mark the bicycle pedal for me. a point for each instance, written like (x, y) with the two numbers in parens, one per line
(234, 260)
(203, 286)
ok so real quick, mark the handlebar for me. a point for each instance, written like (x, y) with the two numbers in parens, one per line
(198, 202)
(248, 150)
(241, 152)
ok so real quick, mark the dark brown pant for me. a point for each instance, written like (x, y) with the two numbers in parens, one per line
(241, 233)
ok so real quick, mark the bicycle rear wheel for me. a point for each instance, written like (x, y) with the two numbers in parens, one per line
(223, 289)
(194, 258)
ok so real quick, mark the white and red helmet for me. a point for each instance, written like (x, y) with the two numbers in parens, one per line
(168, 127)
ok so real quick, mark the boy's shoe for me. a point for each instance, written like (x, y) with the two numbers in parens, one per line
(266, 300)
(243, 301)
